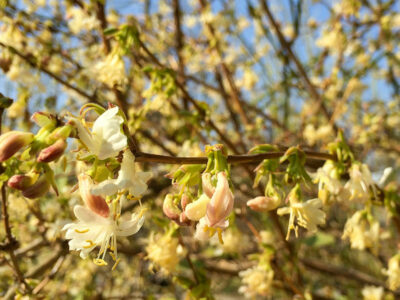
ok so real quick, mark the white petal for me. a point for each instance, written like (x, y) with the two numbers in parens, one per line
(128, 228)
(105, 188)
(85, 215)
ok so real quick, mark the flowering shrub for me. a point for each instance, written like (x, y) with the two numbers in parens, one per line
(196, 152)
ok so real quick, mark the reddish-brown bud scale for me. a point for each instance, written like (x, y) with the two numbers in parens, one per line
(11, 142)
(52, 152)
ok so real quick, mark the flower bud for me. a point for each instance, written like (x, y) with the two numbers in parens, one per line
(39, 189)
(170, 209)
(95, 203)
(184, 201)
(208, 188)
(20, 182)
(183, 220)
(263, 203)
(11, 142)
(221, 203)
(52, 152)
(197, 209)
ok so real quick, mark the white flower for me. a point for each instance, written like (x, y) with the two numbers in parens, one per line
(97, 225)
(309, 214)
(256, 281)
(372, 293)
(106, 139)
(362, 233)
(93, 230)
(128, 179)
(360, 183)
(393, 272)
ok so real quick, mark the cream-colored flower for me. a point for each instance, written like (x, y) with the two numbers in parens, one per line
(257, 281)
(164, 252)
(393, 272)
(360, 183)
(111, 70)
(328, 180)
(128, 179)
(372, 293)
(94, 229)
(106, 139)
(308, 214)
(79, 20)
(361, 232)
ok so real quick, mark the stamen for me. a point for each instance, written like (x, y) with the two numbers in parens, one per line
(81, 231)
(115, 265)
(91, 244)
(99, 262)
(219, 230)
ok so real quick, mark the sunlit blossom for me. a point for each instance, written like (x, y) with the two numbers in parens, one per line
(128, 179)
(106, 138)
(256, 281)
(307, 214)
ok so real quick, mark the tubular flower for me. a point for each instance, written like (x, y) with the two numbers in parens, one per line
(218, 209)
(106, 139)
(128, 179)
(98, 226)
(309, 214)
(361, 232)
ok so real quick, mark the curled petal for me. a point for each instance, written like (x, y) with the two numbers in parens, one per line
(208, 188)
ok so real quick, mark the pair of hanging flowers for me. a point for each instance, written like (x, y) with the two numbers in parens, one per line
(99, 219)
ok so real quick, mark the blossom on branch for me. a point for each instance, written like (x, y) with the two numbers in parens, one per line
(106, 138)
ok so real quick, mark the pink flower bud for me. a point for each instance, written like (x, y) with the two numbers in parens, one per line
(263, 203)
(184, 201)
(52, 152)
(183, 220)
(20, 182)
(221, 203)
(170, 209)
(11, 142)
(208, 188)
(95, 203)
(39, 189)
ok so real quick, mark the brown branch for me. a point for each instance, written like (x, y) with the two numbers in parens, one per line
(232, 159)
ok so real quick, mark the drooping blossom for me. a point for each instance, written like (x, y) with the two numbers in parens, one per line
(105, 140)
(362, 232)
(218, 209)
(128, 179)
(98, 225)
(306, 214)
(264, 203)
